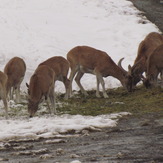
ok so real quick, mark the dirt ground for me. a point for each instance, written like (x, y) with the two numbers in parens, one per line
(136, 139)
(152, 9)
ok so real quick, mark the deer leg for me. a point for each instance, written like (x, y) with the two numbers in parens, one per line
(67, 87)
(155, 80)
(161, 76)
(11, 93)
(101, 80)
(5, 107)
(47, 103)
(98, 89)
(52, 100)
(72, 74)
(17, 91)
(77, 79)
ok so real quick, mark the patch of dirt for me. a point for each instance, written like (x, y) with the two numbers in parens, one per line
(153, 10)
(135, 139)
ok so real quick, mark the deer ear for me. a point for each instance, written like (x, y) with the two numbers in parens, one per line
(27, 85)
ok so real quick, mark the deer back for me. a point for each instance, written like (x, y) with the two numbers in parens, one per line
(59, 65)
(90, 58)
(41, 82)
(148, 45)
(15, 70)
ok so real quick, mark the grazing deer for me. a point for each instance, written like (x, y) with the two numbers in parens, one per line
(3, 92)
(61, 67)
(41, 87)
(15, 71)
(145, 49)
(84, 59)
(154, 67)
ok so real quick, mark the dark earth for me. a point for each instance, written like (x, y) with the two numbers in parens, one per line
(136, 139)
(153, 10)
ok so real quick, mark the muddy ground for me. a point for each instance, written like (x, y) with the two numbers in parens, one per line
(137, 138)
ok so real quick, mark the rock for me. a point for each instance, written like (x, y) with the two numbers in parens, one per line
(120, 155)
(74, 156)
(46, 156)
(60, 151)
(4, 159)
(55, 141)
(85, 133)
(75, 161)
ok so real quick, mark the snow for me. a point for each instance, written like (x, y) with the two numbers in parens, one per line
(46, 127)
(38, 29)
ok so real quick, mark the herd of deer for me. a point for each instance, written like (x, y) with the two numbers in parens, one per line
(82, 59)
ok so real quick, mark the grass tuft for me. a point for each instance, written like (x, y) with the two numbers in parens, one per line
(140, 101)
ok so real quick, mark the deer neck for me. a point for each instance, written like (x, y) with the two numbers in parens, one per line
(118, 73)
(139, 67)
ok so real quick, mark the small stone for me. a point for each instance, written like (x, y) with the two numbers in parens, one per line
(74, 156)
(4, 159)
(85, 133)
(60, 151)
(120, 155)
(45, 156)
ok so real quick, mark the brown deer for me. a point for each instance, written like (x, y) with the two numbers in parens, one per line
(61, 67)
(154, 67)
(3, 92)
(84, 59)
(145, 49)
(15, 70)
(41, 87)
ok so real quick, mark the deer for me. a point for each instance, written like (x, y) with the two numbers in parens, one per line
(85, 59)
(61, 67)
(40, 88)
(15, 70)
(154, 67)
(3, 91)
(145, 49)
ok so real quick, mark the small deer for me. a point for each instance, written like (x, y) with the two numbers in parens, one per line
(41, 87)
(3, 91)
(61, 67)
(85, 59)
(15, 70)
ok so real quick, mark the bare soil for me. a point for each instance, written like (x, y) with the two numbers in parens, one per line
(136, 139)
